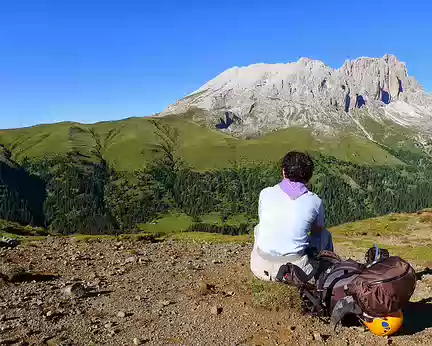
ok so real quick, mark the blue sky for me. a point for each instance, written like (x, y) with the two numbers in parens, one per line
(94, 60)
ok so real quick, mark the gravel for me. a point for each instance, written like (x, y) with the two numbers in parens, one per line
(99, 297)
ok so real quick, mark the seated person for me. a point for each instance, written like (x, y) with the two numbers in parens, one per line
(291, 221)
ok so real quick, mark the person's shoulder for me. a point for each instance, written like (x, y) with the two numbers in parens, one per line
(313, 196)
(270, 190)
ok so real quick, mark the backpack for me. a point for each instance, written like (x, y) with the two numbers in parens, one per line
(384, 287)
(345, 289)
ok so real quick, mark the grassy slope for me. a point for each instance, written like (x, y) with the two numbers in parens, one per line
(406, 235)
(201, 147)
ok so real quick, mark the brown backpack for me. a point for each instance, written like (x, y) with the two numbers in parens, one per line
(384, 287)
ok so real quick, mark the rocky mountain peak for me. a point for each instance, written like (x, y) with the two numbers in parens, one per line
(309, 93)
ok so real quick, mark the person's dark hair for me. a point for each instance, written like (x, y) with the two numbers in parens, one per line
(298, 167)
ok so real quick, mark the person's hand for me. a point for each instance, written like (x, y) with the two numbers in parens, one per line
(315, 229)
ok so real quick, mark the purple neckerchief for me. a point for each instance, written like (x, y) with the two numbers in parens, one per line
(293, 189)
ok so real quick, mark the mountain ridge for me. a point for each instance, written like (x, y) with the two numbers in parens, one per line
(263, 97)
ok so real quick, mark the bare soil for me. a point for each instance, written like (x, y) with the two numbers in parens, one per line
(166, 293)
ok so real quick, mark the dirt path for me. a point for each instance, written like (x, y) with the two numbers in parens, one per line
(161, 294)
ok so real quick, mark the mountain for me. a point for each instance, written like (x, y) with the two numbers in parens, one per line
(257, 113)
(202, 147)
(259, 98)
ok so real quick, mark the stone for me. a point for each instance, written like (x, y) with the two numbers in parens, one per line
(76, 290)
(131, 259)
(121, 314)
(216, 262)
(216, 310)
(318, 337)
(204, 288)
(166, 302)
(136, 341)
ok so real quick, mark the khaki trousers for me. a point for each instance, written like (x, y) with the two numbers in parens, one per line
(265, 266)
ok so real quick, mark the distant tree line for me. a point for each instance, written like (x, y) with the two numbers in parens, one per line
(80, 193)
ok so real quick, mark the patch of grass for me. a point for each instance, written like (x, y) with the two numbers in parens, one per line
(392, 224)
(86, 238)
(32, 238)
(178, 222)
(210, 238)
(236, 220)
(170, 223)
(31, 243)
(274, 296)
(419, 254)
(15, 229)
(212, 218)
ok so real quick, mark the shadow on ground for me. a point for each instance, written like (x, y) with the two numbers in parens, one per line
(420, 275)
(417, 317)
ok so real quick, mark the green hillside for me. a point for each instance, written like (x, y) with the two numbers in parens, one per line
(201, 147)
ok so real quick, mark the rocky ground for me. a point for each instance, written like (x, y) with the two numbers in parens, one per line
(106, 292)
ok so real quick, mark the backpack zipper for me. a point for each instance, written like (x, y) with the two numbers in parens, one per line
(383, 281)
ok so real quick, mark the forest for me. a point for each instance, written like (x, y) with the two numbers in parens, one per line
(82, 193)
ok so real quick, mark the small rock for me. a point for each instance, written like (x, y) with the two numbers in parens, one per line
(292, 328)
(166, 302)
(2, 318)
(318, 337)
(136, 341)
(216, 310)
(49, 314)
(216, 262)
(131, 259)
(121, 314)
(75, 290)
(205, 288)
(108, 325)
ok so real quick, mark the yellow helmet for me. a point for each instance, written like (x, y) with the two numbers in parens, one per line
(384, 326)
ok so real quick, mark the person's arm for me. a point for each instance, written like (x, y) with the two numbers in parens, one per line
(259, 214)
(319, 223)
(259, 205)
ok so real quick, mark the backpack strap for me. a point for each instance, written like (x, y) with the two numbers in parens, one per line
(348, 269)
(343, 308)
(315, 307)
(293, 275)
